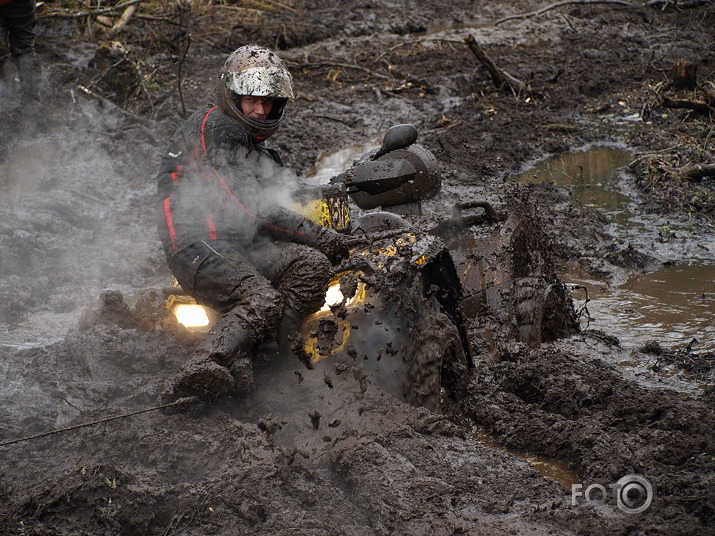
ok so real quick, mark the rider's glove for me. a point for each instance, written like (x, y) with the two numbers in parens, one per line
(333, 245)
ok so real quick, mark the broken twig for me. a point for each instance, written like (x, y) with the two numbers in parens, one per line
(500, 78)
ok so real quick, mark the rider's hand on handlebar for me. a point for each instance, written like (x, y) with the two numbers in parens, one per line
(334, 245)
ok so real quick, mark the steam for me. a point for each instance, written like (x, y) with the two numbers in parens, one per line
(77, 214)
(77, 211)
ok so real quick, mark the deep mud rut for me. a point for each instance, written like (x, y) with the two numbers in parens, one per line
(326, 451)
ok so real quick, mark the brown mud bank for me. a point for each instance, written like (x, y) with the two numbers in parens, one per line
(326, 451)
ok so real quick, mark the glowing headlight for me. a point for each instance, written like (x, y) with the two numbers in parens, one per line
(191, 315)
(333, 297)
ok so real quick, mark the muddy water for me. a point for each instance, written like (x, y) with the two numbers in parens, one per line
(555, 470)
(672, 305)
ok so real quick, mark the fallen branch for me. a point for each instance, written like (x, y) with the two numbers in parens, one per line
(140, 16)
(122, 22)
(695, 172)
(561, 4)
(343, 66)
(69, 14)
(500, 78)
(690, 104)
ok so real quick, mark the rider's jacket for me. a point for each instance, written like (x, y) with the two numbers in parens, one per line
(216, 183)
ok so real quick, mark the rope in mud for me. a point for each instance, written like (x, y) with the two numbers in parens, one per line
(180, 402)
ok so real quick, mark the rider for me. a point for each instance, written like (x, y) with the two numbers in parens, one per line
(229, 242)
(17, 23)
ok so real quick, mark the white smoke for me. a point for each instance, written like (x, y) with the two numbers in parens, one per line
(77, 214)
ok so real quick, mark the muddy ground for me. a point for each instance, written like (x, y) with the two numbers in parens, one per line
(84, 338)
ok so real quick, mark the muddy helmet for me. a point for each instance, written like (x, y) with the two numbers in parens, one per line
(256, 71)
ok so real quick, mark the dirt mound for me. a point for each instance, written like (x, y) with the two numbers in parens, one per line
(565, 405)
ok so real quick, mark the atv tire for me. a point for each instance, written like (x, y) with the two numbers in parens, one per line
(437, 370)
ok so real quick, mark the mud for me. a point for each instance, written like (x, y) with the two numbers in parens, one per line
(328, 450)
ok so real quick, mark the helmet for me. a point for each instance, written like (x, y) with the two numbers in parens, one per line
(256, 71)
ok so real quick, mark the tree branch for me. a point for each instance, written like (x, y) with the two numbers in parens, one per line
(561, 4)
(500, 78)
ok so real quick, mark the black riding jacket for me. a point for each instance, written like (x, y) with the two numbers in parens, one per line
(216, 183)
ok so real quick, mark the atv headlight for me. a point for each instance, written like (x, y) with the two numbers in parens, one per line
(334, 296)
(191, 315)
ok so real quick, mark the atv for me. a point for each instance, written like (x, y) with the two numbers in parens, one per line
(415, 306)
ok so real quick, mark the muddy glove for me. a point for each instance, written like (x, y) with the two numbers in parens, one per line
(333, 245)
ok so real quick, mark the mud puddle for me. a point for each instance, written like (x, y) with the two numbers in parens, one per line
(600, 180)
(673, 305)
(676, 303)
(555, 470)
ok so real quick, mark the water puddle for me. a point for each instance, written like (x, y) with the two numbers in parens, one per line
(593, 175)
(558, 471)
(672, 305)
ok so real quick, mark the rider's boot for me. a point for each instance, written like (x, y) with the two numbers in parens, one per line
(219, 364)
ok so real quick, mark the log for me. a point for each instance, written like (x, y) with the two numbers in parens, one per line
(696, 172)
(690, 104)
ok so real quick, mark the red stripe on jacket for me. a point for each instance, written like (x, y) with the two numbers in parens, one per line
(170, 222)
(212, 226)
(175, 174)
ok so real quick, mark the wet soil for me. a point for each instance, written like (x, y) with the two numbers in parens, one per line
(327, 451)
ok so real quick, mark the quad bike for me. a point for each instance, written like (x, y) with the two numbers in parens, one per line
(415, 307)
